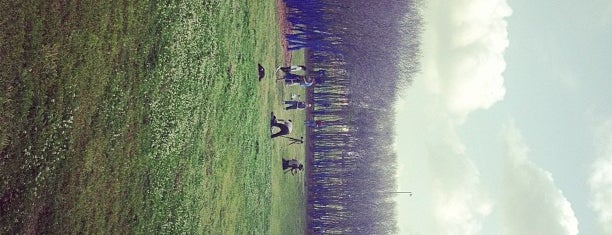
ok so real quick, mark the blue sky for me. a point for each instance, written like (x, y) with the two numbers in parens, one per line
(507, 129)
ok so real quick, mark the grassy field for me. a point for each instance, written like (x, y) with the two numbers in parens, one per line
(143, 117)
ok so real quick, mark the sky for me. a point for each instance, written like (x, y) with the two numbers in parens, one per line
(507, 128)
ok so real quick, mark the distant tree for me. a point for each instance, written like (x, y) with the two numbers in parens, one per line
(362, 52)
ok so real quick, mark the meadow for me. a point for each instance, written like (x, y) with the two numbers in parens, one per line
(144, 117)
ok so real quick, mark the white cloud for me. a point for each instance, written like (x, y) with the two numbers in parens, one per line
(449, 195)
(463, 52)
(460, 201)
(531, 203)
(462, 68)
(600, 180)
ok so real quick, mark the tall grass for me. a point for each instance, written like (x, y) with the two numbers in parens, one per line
(141, 117)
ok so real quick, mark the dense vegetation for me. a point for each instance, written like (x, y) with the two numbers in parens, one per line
(361, 52)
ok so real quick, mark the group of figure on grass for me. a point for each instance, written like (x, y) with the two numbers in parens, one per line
(285, 126)
(291, 78)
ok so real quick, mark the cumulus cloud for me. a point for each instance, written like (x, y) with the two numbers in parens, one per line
(600, 180)
(450, 197)
(450, 194)
(460, 201)
(461, 210)
(531, 203)
(462, 65)
(463, 52)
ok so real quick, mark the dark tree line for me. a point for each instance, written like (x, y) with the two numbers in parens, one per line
(357, 51)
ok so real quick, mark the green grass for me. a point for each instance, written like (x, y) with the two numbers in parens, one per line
(140, 117)
(288, 187)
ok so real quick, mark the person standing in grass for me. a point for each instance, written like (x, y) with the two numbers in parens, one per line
(294, 79)
(285, 126)
(292, 68)
(292, 166)
(291, 79)
(314, 124)
(294, 104)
